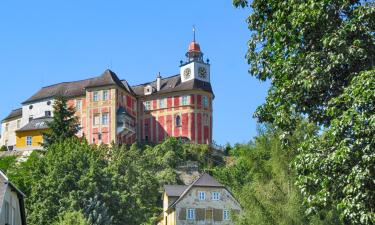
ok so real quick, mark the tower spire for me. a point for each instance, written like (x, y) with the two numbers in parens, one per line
(193, 33)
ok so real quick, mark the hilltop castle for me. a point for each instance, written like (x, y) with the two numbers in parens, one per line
(110, 110)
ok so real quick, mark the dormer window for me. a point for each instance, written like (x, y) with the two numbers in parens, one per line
(148, 90)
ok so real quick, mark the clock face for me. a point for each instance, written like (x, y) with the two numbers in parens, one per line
(187, 73)
(202, 72)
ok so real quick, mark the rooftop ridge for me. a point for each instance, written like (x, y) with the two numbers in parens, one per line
(162, 78)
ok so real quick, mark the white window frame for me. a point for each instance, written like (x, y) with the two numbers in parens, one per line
(190, 214)
(162, 104)
(226, 215)
(185, 100)
(202, 195)
(105, 95)
(29, 140)
(95, 96)
(78, 104)
(105, 118)
(215, 196)
(94, 119)
(205, 101)
(147, 105)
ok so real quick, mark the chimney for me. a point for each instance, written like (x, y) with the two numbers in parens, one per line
(158, 82)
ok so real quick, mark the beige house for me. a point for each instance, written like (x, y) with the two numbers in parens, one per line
(205, 201)
(12, 208)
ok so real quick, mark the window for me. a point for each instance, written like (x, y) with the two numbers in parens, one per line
(205, 119)
(178, 121)
(184, 100)
(216, 196)
(78, 105)
(31, 106)
(100, 136)
(6, 209)
(190, 215)
(162, 103)
(147, 105)
(105, 119)
(105, 95)
(226, 215)
(7, 127)
(18, 124)
(205, 101)
(49, 103)
(47, 113)
(31, 118)
(202, 195)
(29, 140)
(95, 96)
(96, 120)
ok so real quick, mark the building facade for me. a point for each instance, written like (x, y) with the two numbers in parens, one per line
(110, 110)
(205, 201)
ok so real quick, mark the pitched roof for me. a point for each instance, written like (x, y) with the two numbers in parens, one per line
(37, 124)
(77, 88)
(173, 84)
(4, 183)
(175, 190)
(14, 114)
(204, 180)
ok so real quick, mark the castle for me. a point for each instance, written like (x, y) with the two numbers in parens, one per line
(110, 110)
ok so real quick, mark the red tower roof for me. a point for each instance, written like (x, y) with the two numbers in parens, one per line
(194, 47)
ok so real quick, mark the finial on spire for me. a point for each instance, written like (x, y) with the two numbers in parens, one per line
(194, 33)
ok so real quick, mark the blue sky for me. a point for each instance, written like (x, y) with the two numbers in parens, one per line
(46, 42)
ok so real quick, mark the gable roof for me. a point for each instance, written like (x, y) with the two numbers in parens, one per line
(4, 184)
(14, 114)
(175, 190)
(77, 88)
(173, 84)
(204, 180)
(37, 124)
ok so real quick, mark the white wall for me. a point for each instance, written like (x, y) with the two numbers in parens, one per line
(9, 135)
(38, 110)
(194, 66)
(12, 198)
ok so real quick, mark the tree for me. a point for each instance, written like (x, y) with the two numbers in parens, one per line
(317, 53)
(64, 124)
(71, 217)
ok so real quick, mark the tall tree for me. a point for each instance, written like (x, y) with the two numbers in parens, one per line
(64, 124)
(318, 54)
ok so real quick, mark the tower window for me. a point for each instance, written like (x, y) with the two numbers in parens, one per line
(47, 113)
(147, 105)
(105, 119)
(178, 121)
(205, 119)
(205, 101)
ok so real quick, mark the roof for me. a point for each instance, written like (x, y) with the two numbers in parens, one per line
(77, 88)
(37, 124)
(175, 190)
(204, 180)
(14, 114)
(4, 184)
(173, 84)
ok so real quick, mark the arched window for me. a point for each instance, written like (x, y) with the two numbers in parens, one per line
(178, 121)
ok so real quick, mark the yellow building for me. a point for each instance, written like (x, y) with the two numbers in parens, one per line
(205, 201)
(30, 136)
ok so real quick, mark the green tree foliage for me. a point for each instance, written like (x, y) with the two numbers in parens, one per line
(70, 218)
(338, 167)
(261, 178)
(7, 162)
(64, 124)
(116, 185)
(317, 55)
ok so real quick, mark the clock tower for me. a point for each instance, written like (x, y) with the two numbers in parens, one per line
(195, 67)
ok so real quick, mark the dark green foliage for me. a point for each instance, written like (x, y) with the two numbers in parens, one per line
(261, 179)
(97, 212)
(108, 185)
(320, 56)
(3, 148)
(7, 162)
(64, 124)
